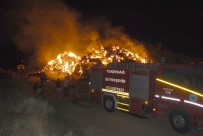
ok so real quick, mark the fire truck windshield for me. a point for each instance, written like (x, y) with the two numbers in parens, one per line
(189, 78)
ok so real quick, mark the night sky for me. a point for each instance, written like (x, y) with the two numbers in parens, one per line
(176, 25)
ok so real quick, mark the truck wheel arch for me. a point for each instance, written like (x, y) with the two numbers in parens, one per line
(109, 102)
(180, 120)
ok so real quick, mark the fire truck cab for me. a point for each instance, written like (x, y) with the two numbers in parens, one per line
(179, 96)
(169, 91)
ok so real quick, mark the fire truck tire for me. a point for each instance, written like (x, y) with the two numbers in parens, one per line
(109, 104)
(180, 121)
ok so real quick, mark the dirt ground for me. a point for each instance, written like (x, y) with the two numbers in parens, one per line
(89, 119)
(73, 115)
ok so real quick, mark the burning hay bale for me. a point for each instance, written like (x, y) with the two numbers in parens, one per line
(68, 62)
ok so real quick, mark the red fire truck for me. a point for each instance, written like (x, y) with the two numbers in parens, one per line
(167, 91)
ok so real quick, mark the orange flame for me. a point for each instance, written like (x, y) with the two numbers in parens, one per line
(63, 64)
(69, 62)
(115, 54)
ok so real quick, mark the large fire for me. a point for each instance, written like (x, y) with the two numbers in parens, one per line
(63, 64)
(62, 28)
(69, 62)
(116, 54)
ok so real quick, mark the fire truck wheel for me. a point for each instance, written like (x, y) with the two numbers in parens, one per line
(109, 104)
(180, 121)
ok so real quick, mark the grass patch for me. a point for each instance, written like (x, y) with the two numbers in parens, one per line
(24, 115)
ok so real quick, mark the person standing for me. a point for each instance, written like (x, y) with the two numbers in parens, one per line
(66, 85)
(58, 87)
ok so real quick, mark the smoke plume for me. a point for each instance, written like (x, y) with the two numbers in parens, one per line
(49, 27)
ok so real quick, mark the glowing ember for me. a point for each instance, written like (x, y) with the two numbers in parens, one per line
(63, 64)
(71, 63)
(114, 54)
(21, 68)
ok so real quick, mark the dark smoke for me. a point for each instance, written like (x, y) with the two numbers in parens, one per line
(45, 28)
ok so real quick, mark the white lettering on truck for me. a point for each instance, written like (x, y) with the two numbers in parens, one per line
(110, 79)
(116, 71)
(115, 88)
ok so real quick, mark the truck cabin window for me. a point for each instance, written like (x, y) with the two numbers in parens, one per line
(188, 78)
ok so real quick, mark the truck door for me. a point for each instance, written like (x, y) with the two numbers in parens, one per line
(139, 86)
(96, 85)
